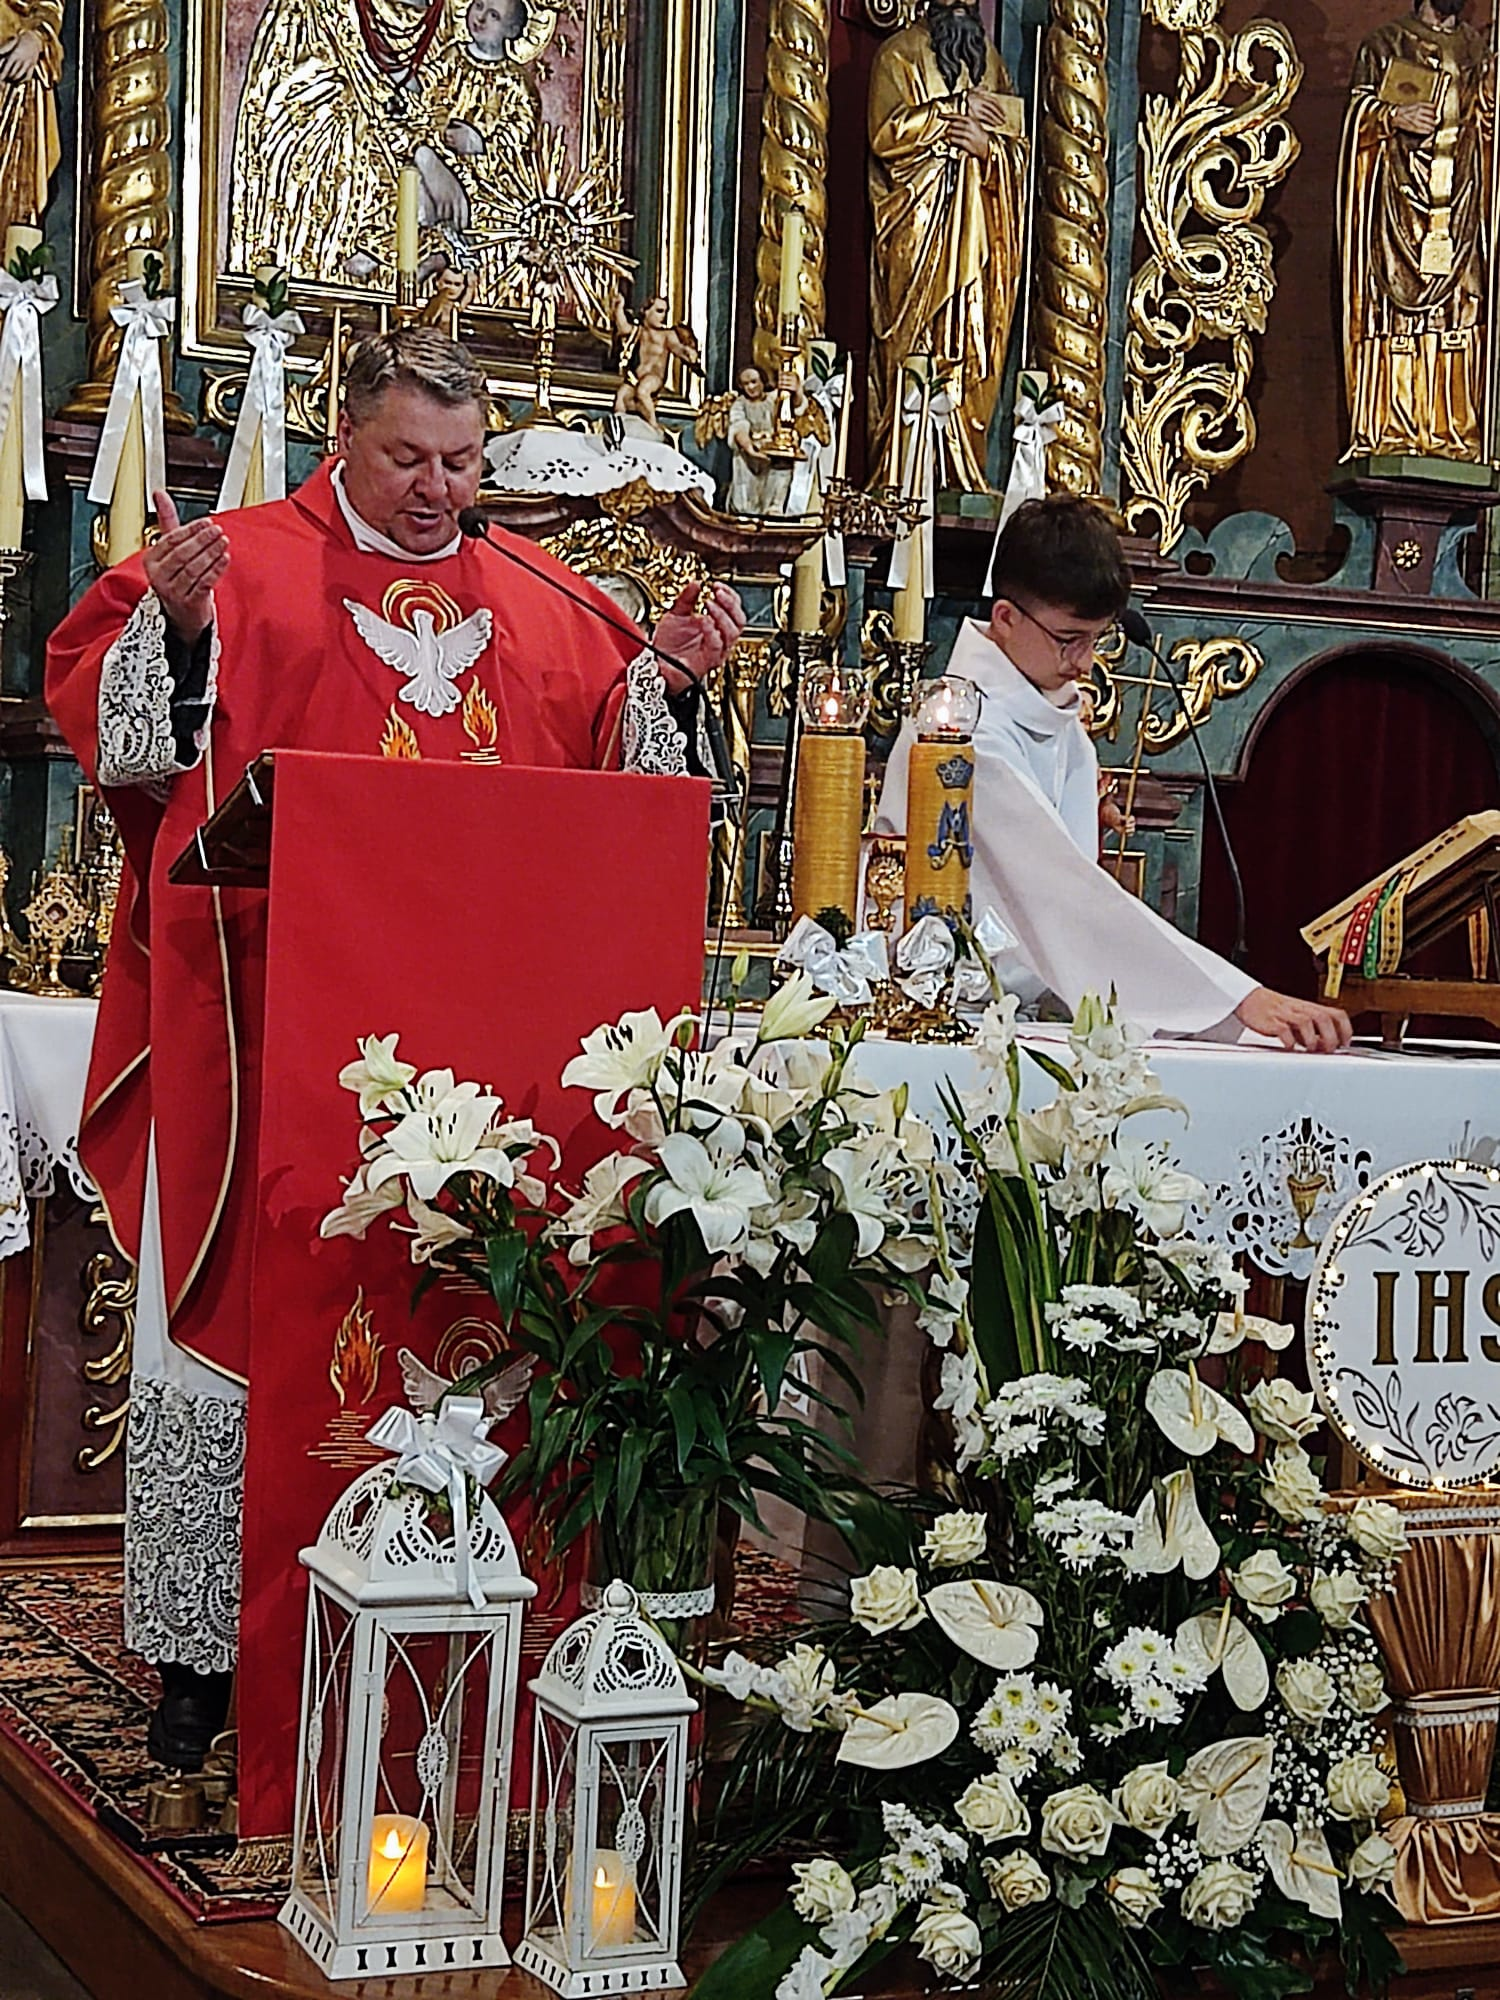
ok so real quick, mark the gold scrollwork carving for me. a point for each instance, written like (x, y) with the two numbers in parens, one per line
(1073, 272)
(621, 548)
(793, 166)
(1208, 670)
(108, 1313)
(1211, 151)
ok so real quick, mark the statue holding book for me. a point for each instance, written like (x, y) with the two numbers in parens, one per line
(1414, 202)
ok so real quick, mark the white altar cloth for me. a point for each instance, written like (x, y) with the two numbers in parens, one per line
(1263, 1122)
(44, 1060)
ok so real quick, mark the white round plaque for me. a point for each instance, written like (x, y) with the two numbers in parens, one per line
(1403, 1324)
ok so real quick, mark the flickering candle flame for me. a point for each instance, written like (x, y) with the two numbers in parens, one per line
(614, 1899)
(398, 1864)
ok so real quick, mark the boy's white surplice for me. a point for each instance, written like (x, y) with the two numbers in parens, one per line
(1036, 843)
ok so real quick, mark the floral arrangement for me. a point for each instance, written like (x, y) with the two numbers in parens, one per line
(1114, 1710)
(686, 1303)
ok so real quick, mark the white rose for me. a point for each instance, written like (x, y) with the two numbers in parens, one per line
(1292, 1488)
(1134, 1896)
(1336, 1597)
(886, 1600)
(823, 1890)
(1378, 1528)
(1150, 1799)
(1077, 1822)
(1363, 1687)
(947, 1939)
(1373, 1863)
(1358, 1788)
(1281, 1411)
(1265, 1583)
(1017, 1880)
(1219, 1896)
(1306, 1688)
(878, 1906)
(954, 1539)
(992, 1808)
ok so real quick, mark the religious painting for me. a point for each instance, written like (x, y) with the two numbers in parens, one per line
(302, 114)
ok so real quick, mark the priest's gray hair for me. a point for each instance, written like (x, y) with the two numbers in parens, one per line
(419, 356)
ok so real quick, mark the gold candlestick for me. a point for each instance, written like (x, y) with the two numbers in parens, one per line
(939, 802)
(828, 805)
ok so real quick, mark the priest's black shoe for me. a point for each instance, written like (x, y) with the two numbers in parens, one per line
(192, 1711)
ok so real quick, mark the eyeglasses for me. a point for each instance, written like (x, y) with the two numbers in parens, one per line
(1082, 646)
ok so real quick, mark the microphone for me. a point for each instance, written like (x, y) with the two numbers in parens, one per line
(1139, 633)
(474, 522)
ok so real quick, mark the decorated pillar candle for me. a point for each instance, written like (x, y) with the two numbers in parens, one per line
(12, 460)
(940, 801)
(828, 809)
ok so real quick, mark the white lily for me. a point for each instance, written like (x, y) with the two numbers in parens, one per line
(858, 1174)
(718, 1194)
(1224, 1791)
(1157, 1548)
(621, 1056)
(901, 1730)
(996, 1623)
(361, 1206)
(1302, 1867)
(1139, 1178)
(428, 1148)
(1193, 1416)
(794, 1010)
(435, 1230)
(601, 1203)
(377, 1075)
(1221, 1641)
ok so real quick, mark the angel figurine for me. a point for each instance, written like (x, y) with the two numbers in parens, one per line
(424, 1389)
(648, 346)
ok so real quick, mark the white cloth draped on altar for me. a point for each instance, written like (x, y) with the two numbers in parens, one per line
(44, 1059)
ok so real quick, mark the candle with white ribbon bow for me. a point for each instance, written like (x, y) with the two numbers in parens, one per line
(256, 469)
(131, 464)
(23, 301)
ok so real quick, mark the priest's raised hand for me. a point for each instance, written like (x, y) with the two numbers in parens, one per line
(183, 565)
(698, 639)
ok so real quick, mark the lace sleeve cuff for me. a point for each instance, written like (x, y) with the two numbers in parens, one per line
(150, 726)
(653, 743)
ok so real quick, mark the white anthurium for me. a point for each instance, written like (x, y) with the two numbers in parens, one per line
(901, 1730)
(859, 1176)
(377, 1075)
(794, 1010)
(427, 1148)
(1221, 1642)
(619, 1057)
(1302, 1867)
(1159, 1544)
(1193, 1416)
(1224, 1791)
(1138, 1177)
(361, 1206)
(1231, 1329)
(996, 1623)
(719, 1194)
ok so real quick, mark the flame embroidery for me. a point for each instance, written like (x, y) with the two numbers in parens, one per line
(399, 738)
(481, 725)
(354, 1368)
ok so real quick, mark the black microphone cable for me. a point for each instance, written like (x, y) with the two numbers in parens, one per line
(1139, 633)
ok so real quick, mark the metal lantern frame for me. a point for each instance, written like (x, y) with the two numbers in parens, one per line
(610, 1734)
(384, 1592)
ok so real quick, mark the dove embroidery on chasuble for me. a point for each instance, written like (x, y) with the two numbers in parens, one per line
(463, 657)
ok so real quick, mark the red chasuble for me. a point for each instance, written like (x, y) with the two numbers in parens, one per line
(489, 665)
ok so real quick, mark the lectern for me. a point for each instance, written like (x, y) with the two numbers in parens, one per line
(492, 916)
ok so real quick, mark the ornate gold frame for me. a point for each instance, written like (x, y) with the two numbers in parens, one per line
(679, 186)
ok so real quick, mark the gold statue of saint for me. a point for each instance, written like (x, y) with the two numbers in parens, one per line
(1414, 182)
(30, 65)
(947, 170)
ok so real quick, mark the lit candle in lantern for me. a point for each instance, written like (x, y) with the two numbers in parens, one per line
(12, 461)
(398, 1864)
(828, 807)
(613, 1909)
(940, 800)
(789, 298)
(406, 222)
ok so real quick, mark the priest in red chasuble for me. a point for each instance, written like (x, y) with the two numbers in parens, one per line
(352, 617)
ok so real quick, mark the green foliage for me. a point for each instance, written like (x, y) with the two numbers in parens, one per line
(1053, 1952)
(30, 265)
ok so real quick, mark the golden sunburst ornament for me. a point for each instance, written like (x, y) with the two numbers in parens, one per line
(557, 229)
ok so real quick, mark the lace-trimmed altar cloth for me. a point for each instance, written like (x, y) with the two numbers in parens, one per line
(44, 1059)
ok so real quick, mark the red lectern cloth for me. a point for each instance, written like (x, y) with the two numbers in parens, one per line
(494, 916)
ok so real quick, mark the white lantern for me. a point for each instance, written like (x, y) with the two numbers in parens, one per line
(608, 1801)
(408, 1709)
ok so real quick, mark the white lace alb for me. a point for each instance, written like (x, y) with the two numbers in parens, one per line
(184, 1491)
(136, 690)
(653, 744)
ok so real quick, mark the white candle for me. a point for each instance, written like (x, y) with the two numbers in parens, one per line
(613, 1908)
(789, 299)
(398, 1864)
(12, 462)
(406, 222)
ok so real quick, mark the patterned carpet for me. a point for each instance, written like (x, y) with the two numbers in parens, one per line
(77, 1703)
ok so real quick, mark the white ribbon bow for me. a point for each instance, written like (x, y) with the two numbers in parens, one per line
(924, 958)
(971, 982)
(24, 300)
(262, 407)
(846, 974)
(1034, 431)
(919, 479)
(439, 1452)
(146, 322)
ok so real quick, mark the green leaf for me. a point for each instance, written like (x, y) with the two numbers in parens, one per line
(755, 1965)
(1251, 1969)
(506, 1255)
(634, 1447)
(679, 1401)
(1063, 1078)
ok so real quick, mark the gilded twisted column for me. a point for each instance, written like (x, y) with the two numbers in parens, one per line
(793, 165)
(1073, 304)
(130, 175)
